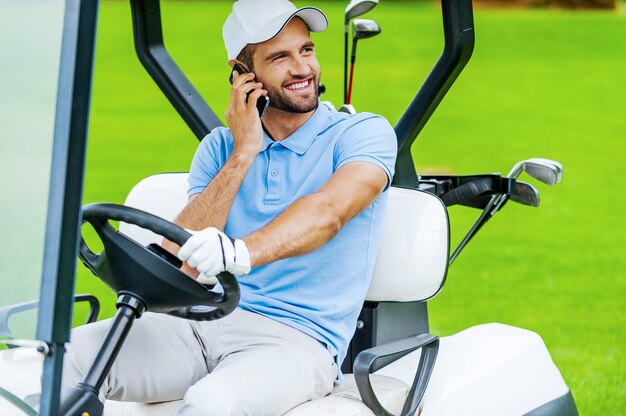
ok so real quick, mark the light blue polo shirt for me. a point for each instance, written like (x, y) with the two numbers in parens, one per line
(320, 293)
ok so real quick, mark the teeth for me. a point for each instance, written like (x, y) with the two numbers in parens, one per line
(298, 86)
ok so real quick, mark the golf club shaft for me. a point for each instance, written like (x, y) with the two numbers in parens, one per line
(495, 204)
(349, 98)
(482, 220)
(352, 61)
(345, 64)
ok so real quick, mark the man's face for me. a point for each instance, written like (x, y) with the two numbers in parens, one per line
(288, 68)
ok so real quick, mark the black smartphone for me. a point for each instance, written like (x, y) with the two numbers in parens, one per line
(263, 102)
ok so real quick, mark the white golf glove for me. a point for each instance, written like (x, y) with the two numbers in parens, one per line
(211, 252)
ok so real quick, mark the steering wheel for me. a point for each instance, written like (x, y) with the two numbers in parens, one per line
(152, 274)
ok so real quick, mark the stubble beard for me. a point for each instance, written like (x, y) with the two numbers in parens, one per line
(279, 100)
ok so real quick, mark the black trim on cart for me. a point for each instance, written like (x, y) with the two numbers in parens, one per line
(369, 361)
(166, 74)
(562, 406)
(458, 27)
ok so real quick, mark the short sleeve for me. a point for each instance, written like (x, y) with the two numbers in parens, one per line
(372, 140)
(207, 161)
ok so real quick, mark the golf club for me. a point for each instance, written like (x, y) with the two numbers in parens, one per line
(547, 171)
(361, 29)
(354, 9)
(525, 194)
(347, 108)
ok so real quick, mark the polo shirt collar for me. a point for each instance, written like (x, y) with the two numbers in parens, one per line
(300, 141)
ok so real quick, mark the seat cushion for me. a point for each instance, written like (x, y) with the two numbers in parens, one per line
(344, 400)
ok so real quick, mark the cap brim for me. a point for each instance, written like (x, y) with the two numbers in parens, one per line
(313, 17)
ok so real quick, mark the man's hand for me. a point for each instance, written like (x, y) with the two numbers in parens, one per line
(243, 118)
(211, 252)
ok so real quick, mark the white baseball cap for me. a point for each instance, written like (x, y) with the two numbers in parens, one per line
(255, 21)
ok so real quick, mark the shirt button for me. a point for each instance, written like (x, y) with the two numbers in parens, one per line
(274, 173)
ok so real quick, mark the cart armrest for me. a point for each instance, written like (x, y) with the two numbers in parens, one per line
(365, 364)
(8, 311)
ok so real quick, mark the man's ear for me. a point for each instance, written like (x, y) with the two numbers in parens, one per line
(232, 63)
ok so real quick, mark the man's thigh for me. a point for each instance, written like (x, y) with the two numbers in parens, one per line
(159, 360)
(265, 368)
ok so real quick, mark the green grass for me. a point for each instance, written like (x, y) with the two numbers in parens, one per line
(542, 83)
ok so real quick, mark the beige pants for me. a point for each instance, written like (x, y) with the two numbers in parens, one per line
(243, 364)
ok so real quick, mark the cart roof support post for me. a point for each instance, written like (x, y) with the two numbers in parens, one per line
(65, 194)
(148, 34)
(458, 29)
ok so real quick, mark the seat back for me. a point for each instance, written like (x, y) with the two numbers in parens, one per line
(412, 261)
(164, 195)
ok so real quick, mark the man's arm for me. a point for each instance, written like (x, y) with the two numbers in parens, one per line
(304, 226)
(312, 221)
(211, 207)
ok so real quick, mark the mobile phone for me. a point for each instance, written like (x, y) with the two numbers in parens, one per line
(263, 102)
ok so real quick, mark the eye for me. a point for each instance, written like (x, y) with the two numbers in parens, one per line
(308, 49)
(278, 58)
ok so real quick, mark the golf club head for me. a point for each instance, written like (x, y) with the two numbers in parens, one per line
(347, 108)
(525, 194)
(547, 171)
(329, 105)
(364, 28)
(358, 7)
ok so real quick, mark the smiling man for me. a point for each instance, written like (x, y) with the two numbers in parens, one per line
(292, 203)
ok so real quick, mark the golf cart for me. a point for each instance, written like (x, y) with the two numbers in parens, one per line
(394, 365)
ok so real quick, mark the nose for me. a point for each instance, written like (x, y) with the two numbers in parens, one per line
(300, 66)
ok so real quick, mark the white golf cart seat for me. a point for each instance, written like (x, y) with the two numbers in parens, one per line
(411, 266)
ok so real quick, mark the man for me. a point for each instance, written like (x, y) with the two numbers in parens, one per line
(293, 204)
